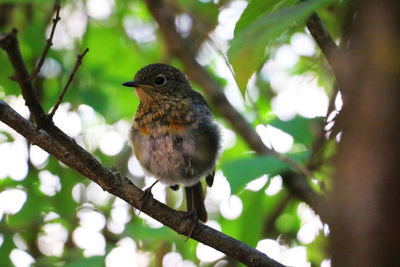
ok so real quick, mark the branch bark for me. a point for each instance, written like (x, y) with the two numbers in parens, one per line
(9, 43)
(323, 38)
(331, 51)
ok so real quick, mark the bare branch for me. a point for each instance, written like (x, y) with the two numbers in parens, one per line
(323, 38)
(71, 77)
(55, 142)
(49, 42)
(9, 43)
(334, 55)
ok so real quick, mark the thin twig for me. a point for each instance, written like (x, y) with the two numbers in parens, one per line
(49, 42)
(71, 77)
(323, 38)
(294, 164)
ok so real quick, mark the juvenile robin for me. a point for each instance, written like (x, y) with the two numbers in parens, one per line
(174, 135)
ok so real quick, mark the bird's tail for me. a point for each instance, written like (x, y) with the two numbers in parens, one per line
(195, 201)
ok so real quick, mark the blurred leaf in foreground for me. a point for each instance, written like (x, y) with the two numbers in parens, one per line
(247, 50)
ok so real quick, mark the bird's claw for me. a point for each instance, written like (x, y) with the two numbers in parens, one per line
(146, 195)
(193, 215)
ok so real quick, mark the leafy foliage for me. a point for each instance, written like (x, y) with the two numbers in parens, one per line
(256, 30)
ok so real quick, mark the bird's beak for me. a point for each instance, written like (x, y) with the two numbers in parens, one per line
(131, 84)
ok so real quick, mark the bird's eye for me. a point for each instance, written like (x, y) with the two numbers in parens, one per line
(160, 80)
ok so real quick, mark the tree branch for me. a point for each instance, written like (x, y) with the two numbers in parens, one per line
(67, 151)
(71, 77)
(333, 54)
(182, 50)
(9, 43)
(49, 41)
(323, 38)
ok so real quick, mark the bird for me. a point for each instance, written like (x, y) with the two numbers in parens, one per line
(174, 134)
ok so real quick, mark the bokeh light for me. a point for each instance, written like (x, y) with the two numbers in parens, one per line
(274, 186)
(134, 167)
(140, 31)
(231, 208)
(208, 254)
(38, 156)
(91, 241)
(124, 254)
(21, 258)
(257, 184)
(99, 9)
(52, 239)
(12, 200)
(49, 183)
(111, 143)
(67, 120)
(96, 195)
(311, 224)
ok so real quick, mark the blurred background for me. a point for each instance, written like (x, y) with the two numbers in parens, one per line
(52, 216)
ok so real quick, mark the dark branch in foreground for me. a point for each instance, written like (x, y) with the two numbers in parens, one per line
(57, 143)
(334, 55)
(54, 141)
(71, 77)
(10, 44)
(182, 50)
(323, 38)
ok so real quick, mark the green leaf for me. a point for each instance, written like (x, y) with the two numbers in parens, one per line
(247, 50)
(299, 128)
(252, 216)
(258, 7)
(241, 171)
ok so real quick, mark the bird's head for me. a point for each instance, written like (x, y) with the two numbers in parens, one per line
(159, 81)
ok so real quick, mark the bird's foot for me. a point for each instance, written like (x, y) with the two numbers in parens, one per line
(192, 214)
(147, 194)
